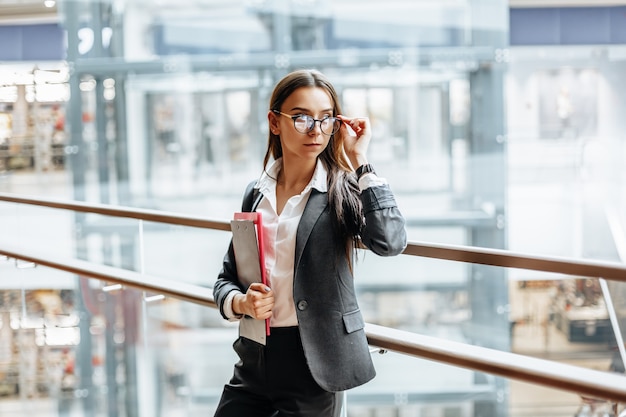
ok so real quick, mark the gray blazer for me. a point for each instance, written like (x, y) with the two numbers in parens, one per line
(330, 321)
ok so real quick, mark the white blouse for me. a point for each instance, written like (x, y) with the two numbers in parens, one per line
(279, 232)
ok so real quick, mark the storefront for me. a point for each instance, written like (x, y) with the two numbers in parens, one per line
(33, 93)
(32, 116)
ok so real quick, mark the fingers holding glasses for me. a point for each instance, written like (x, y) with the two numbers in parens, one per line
(359, 125)
(356, 144)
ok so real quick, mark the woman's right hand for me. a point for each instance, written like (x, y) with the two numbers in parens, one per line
(355, 145)
(257, 302)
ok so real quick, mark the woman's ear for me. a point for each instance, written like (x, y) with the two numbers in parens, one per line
(273, 122)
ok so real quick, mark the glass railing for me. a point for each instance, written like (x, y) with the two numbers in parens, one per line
(139, 319)
(178, 363)
(112, 348)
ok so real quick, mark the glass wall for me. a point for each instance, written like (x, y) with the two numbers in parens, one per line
(565, 188)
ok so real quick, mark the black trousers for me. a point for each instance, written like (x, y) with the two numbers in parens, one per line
(274, 381)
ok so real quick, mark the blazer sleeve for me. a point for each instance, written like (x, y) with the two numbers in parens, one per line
(227, 279)
(384, 232)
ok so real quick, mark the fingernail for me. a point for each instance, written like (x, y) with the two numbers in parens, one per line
(267, 289)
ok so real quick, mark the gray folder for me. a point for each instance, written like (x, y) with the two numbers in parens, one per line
(246, 247)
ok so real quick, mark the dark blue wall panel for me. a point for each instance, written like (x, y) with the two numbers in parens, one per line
(10, 43)
(567, 25)
(45, 42)
(618, 24)
(534, 26)
(585, 25)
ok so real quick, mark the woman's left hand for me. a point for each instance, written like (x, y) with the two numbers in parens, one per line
(356, 144)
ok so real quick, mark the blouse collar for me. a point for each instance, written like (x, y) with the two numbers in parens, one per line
(268, 177)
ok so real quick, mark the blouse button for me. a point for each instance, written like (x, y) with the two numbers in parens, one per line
(302, 305)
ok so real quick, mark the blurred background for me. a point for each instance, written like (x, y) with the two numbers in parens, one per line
(498, 124)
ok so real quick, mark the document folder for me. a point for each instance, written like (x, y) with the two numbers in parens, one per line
(247, 229)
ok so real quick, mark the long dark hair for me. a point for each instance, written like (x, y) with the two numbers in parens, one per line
(343, 189)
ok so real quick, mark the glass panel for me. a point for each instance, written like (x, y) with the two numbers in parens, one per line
(184, 254)
(565, 320)
(562, 318)
(39, 229)
(616, 306)
(201, 138)
(40, 333)
(193, 356)
(566, 180)
(422, 387)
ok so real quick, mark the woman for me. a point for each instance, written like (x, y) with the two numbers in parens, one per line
(315, 210)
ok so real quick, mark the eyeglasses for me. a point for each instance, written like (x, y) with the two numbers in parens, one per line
(304, 123)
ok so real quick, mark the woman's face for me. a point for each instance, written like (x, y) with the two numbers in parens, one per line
(311, 101)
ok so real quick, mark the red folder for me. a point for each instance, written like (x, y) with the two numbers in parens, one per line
(255, 219)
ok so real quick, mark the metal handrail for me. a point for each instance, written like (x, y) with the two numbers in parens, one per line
(495, 257)
(614, 271)
(156, 216)
(180, 290)
(583, 381)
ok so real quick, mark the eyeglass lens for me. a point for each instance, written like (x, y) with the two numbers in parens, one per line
(305, 123)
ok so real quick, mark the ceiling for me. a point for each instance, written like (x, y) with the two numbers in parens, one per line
(36, 11)
(27, 11)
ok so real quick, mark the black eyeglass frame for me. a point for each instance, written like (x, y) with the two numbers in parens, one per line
(306, 116)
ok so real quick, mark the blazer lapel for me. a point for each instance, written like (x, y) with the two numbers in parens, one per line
(314, 208)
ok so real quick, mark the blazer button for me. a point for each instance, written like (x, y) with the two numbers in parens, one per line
(302, 305)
